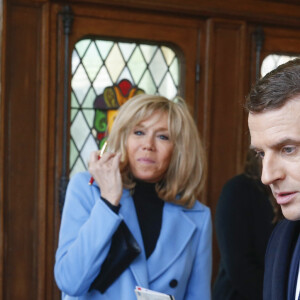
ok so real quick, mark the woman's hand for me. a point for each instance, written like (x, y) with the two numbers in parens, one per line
(106, 172)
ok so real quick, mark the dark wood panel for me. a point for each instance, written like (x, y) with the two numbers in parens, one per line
(225, 88)
(251, 10)
(281, 40)
(22, 152)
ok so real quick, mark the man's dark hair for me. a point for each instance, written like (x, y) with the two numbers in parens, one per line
(276, 88)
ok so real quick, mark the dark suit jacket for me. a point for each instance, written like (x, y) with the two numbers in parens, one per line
(282, 261)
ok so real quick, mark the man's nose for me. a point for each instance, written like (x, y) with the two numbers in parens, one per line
(271, 170)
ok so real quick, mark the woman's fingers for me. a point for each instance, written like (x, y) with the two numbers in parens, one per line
(106, 173)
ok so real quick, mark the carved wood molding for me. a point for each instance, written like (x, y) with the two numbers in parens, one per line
(250, 10)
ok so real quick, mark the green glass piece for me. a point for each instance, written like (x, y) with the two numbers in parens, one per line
(102, 142)
(110, 98)
(100, 121)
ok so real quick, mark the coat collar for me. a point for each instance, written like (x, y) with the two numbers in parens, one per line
(176, 231)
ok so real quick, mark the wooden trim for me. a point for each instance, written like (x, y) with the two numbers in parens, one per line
(42, 219)
(3, 18)
(250, 10)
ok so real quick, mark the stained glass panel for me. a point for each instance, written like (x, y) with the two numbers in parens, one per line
(272, 61)
(104, 75)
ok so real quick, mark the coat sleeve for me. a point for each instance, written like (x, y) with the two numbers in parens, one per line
(199, 286)
(87, 227)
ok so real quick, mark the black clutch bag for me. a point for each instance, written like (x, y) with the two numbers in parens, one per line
(123, 250)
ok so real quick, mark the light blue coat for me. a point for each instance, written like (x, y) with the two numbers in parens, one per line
(183, 250)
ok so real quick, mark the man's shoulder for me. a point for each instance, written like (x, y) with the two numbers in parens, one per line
(285, 226)
(284, 235)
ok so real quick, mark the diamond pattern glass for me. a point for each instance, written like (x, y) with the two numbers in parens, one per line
(103, 69)
(272, 61)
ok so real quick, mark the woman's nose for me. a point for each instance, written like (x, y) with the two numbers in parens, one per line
(149, 143)
(272, 170)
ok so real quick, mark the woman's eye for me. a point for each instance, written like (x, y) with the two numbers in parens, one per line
(163, 137)
(138, 132)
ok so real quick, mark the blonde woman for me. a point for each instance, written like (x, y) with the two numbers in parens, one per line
(139, 223)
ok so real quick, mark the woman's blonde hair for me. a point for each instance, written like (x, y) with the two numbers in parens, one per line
(185, 176)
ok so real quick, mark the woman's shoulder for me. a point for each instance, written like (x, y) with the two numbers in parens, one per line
(197, 209)
(81, 175)
(198, 206)
(199, 214)
(80, 178)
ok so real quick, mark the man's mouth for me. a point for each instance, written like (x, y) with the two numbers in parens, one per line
(283, 198)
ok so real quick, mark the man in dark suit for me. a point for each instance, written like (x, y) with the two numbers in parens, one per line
(274, 124)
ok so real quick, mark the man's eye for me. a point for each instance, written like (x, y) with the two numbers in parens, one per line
(288, 149)
(260, 154)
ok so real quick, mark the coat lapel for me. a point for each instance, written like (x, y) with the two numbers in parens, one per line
(294, 266)
(177, 229)
(278, 259)
(128, 213)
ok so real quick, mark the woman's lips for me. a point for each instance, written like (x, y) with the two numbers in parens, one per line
(284, 197)
(145, 160)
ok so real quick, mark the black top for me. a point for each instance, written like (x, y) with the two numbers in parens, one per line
(149, 209)
(243, 225)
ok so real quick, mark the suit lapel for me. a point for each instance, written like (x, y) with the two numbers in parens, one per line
(293, 276)
(278, 260)
(177, 229)
(139, 265)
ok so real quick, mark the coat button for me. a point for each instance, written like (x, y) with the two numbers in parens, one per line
(173, 283)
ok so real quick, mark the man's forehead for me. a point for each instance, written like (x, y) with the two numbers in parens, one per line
(269, 130)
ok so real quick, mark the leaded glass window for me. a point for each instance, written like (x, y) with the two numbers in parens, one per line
(272, 61)
(104, 75)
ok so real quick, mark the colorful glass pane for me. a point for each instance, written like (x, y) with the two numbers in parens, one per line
(104, 75)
